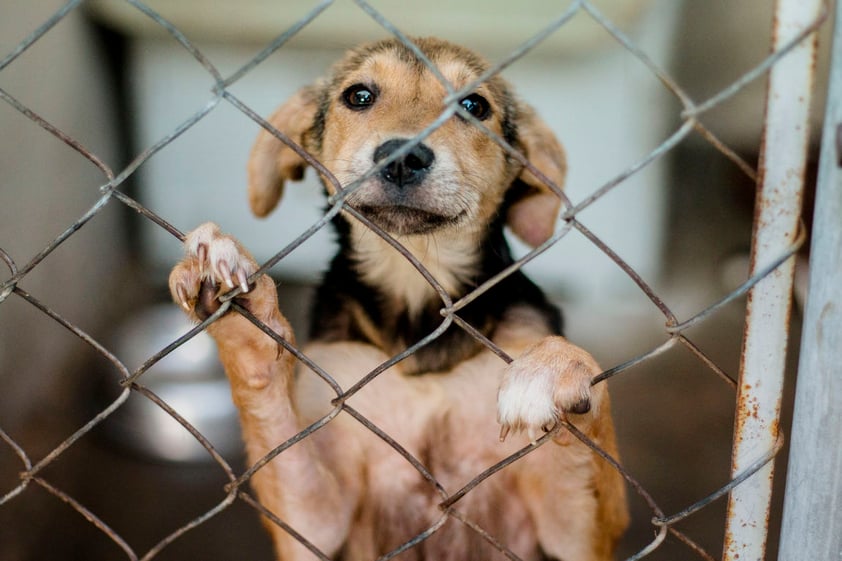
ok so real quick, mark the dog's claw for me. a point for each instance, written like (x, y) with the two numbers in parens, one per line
(182, 297)
(242, 279)
(225, 271)
(214, 264)
(202, 254)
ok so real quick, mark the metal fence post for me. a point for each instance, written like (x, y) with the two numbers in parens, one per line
(814, 491)
(812, 525)
(776, 226)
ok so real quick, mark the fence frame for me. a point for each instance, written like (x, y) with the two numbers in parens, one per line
(775, 239)
(813, 499)
(776, 227)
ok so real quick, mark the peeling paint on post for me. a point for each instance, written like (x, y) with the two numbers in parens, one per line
(776, 225)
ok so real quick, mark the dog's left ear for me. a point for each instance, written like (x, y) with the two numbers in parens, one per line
(272, 162)
(533, 213)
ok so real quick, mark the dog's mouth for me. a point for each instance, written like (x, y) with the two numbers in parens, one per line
(405, 220)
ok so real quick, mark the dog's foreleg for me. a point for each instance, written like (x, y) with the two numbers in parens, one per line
(296, 485)
(548, 381)
(551, 381)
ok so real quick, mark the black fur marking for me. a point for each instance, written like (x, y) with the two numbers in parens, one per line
(314, 137)
(343, 297)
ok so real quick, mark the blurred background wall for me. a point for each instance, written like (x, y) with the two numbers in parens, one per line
(112, 80)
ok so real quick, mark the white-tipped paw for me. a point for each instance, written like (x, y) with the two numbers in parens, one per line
(214, 263)
(549, 380)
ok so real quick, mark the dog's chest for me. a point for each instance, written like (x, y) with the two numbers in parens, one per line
(449, 428)
(407, 507)
(446, 425)
(450, 263)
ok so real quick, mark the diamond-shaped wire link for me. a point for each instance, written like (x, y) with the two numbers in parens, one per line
(691, 120)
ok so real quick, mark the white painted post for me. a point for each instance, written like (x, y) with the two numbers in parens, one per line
(778, 208)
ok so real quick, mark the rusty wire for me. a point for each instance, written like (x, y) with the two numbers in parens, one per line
(691, 116)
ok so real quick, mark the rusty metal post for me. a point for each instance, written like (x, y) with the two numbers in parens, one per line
(812, 526)
(776, 226)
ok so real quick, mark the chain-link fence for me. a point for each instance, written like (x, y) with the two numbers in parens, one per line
(39, 470)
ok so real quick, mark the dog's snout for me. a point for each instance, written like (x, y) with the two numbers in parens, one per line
(407, 169)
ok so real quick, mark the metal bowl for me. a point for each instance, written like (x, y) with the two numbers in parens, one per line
(190, 380)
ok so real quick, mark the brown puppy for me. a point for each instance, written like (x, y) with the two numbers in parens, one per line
(446, 199)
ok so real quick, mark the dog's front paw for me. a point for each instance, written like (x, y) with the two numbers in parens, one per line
(214, 264)
(549, 380)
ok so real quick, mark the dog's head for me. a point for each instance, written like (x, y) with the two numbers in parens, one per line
(377, 99)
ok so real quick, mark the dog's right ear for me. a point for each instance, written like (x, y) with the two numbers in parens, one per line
(533, 213)
(271, 161)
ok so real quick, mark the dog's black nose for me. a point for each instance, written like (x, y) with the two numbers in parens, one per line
(408, 169)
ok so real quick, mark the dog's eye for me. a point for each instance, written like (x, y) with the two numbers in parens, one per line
(359, 97)
(476, 105)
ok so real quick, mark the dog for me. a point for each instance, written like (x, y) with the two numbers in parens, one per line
(447, 200)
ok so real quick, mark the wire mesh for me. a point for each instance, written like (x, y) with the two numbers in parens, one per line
(112, 191)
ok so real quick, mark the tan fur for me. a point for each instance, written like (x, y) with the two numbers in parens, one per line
(343, 488)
